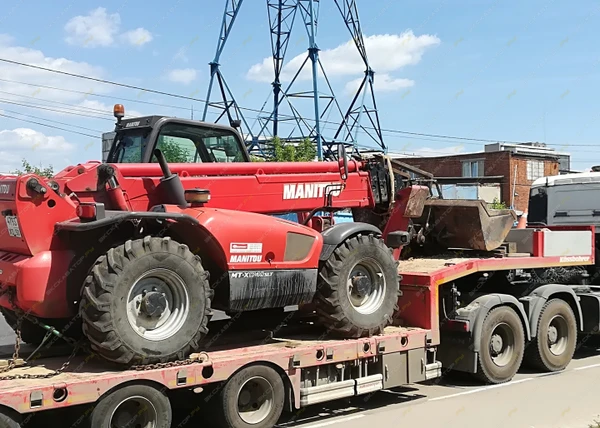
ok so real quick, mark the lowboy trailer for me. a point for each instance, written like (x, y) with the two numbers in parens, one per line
(477, 312)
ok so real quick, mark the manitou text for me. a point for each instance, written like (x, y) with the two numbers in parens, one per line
(310, 190)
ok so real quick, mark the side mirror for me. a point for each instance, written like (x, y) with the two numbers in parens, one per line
(342, 161)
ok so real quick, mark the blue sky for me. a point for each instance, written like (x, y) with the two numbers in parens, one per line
(499, 70)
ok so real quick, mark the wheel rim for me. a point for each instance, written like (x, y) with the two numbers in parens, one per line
(255, 400)
(502, 345)
(134, 412)
(366, 286)
(558, 335)
(158, 304)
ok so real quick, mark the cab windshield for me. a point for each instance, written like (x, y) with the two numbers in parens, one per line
(538, 206)
(180, 143)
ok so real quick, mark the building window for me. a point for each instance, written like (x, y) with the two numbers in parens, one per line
(472, 168)
(535, 169)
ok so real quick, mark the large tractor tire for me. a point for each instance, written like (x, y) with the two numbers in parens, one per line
(359, 286)
(146, 301)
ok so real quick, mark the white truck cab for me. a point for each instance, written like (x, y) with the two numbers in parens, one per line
(565, 200)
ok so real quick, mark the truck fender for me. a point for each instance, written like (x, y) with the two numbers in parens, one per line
(338, 233)
(534, 303)
(478, 309)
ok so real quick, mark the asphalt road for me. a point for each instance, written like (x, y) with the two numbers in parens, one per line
(563, 400)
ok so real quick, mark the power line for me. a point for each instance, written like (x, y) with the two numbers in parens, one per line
(48, 126)
(394, 131)
(104, 112)
(50, 120)
(75, 112)
(94, 95)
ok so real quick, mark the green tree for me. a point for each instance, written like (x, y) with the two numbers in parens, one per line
(497, 205)
(47, 172)
(305, 151)
(173, 152)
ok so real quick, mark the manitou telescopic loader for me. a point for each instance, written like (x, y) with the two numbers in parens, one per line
(143, 249)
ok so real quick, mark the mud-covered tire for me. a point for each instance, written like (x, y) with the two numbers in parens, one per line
(556, 314)
(111, 290)
(334, 298)
(504, 322)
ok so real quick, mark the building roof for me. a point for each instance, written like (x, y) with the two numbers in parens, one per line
(577, 178)
(471, 180)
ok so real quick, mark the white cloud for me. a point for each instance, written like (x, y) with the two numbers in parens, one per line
(383, 83)
(138, 37)
(386, 52)
(182, 75)
(99, 28)
(96, 29)
(35, 146)
(15, 73)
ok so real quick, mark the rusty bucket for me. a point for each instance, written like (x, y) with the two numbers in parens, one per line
(469, 224)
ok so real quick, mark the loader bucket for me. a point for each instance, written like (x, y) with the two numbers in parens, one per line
(468, 224)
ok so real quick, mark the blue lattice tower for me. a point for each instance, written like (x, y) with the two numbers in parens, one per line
(296, 124)
(363, 103)
(227, 105)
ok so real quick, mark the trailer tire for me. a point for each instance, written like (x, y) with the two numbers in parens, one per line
(9, 419)
(501, 334)
(338, 301)
(256, 387)
(121, 407)
(556, 323)
(146, 301)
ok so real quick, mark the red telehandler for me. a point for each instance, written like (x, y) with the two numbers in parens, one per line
(179, 209)
(143, 250)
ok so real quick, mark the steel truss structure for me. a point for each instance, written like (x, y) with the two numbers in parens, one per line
(284, 116)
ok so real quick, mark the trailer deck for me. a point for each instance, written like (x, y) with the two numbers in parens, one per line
(88, 378)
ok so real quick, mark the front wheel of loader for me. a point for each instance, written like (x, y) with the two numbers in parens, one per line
(146, 301)
(358, 288)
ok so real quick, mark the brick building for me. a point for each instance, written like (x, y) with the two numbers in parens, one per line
(514, 167)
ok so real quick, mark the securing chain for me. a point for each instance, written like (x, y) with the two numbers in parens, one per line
(13, 363)
(202, 357)
(76, 347)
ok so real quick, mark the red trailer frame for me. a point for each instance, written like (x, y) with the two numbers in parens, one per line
(406, 351)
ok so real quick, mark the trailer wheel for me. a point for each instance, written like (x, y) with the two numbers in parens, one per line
(501, 347)
(358, 288)
(146, 301)
(556, 339)
(253, 397)
(7, 420)
(132, 406)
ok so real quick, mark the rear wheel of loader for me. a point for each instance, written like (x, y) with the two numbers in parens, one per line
(358, 288)
(556, 339)
(501, 346)
(146, 301)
